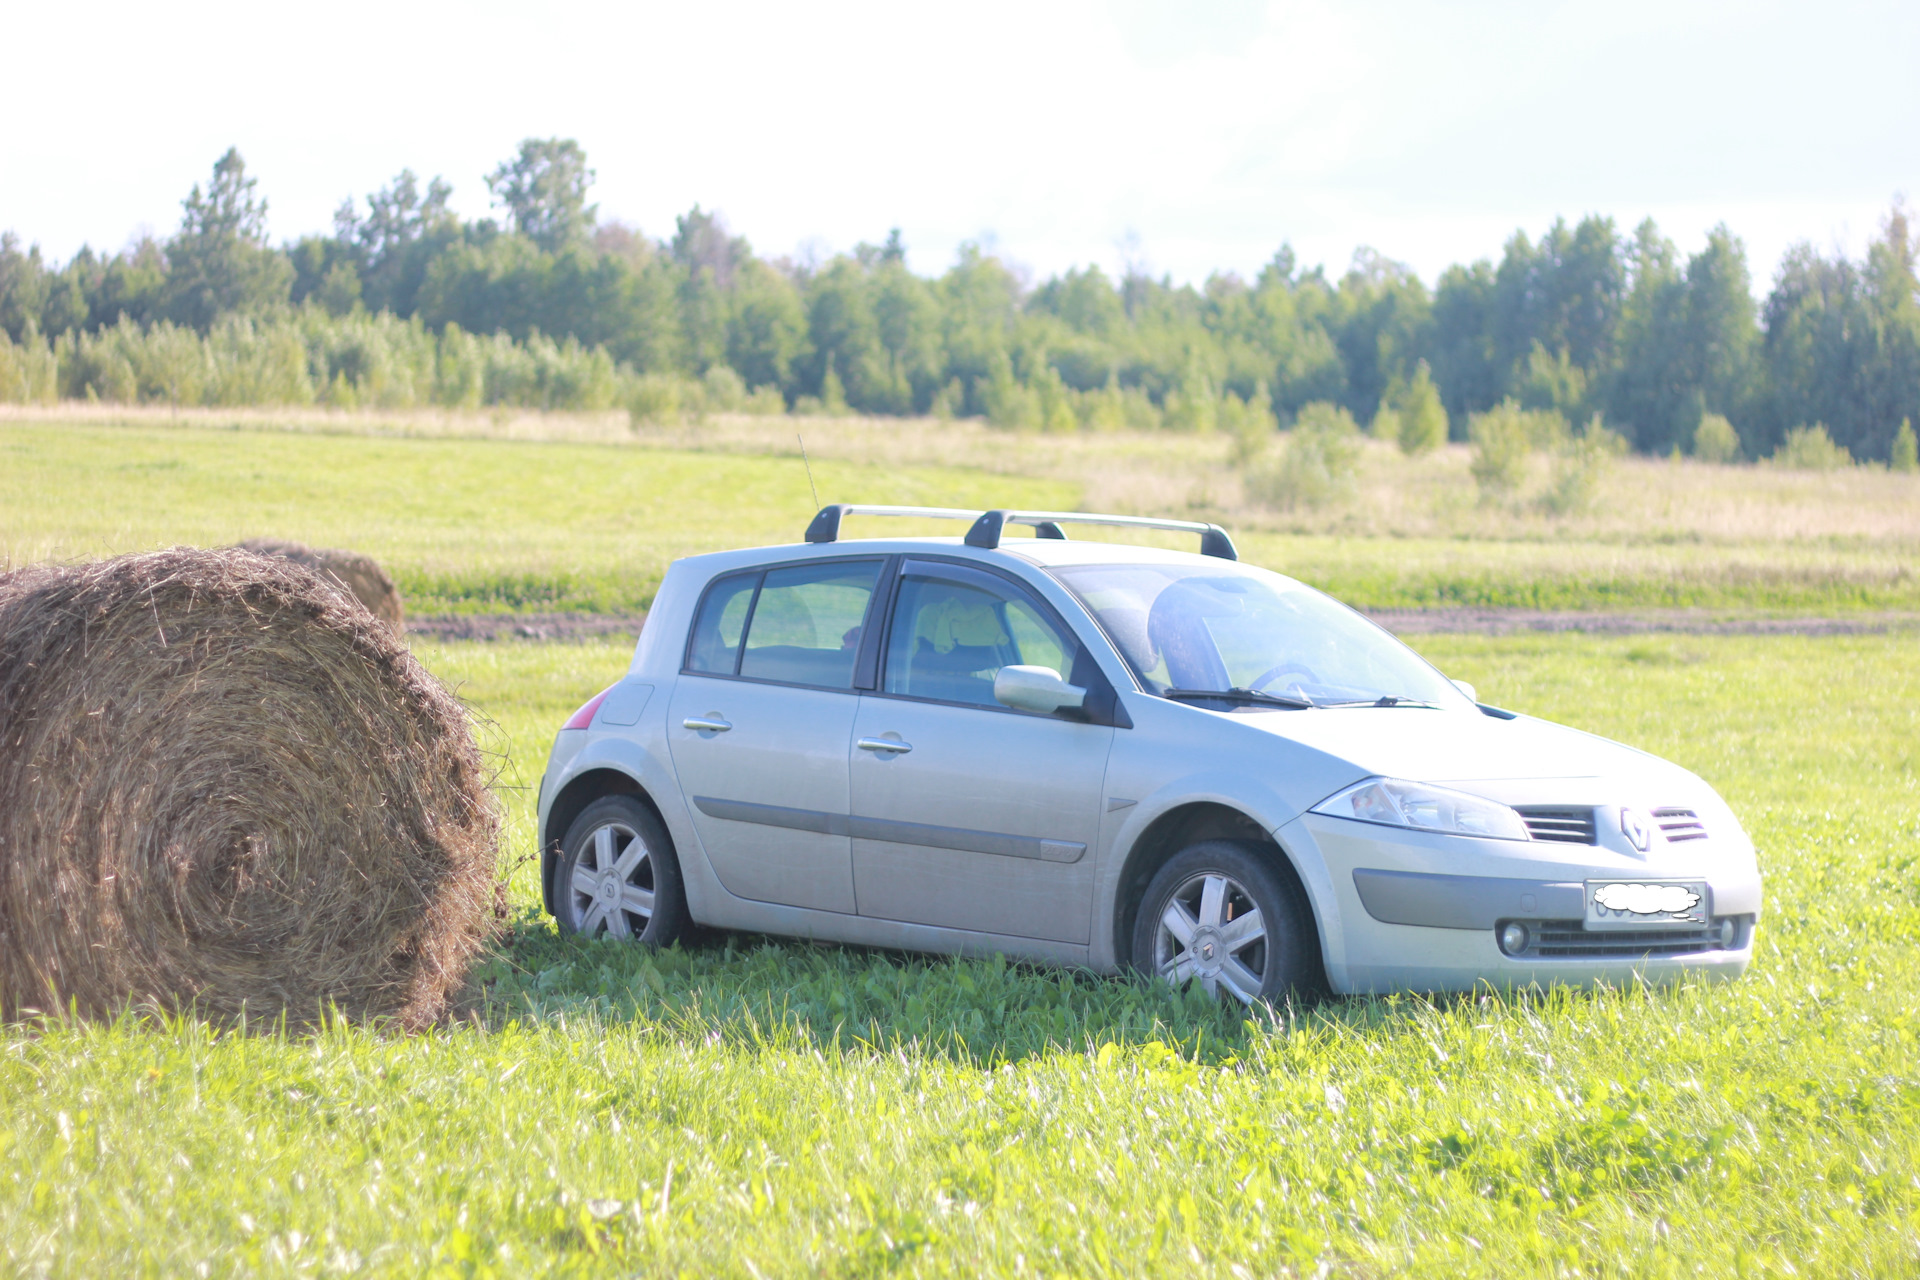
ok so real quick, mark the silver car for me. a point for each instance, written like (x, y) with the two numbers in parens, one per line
(1118, 757)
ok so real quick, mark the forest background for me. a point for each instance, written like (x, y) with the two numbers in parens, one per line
(407, 305)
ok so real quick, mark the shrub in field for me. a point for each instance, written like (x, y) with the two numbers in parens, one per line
(29, 373)
(658, 398)
(724, 390)
(765, 402)
(1715, 440)
(1903, 455)
(949, 401)
(1811, 449)
(1055, 402)
(1411, 414)
(1579, 465)
(1317, 465)
(1504, 440)
(1250, 423)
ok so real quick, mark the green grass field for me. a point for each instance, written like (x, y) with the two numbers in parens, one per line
(758, 1109)
(470, 525)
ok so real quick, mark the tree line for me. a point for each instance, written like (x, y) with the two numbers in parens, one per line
(1583, 321)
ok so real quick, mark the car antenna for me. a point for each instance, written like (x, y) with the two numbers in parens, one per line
(809, 466)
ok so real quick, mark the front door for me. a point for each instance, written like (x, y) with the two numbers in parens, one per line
(981, 817)
(760, 725)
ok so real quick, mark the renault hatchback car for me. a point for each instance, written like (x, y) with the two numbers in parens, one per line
(1119, 757)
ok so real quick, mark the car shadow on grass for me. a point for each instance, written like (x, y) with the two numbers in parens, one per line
(753, 989)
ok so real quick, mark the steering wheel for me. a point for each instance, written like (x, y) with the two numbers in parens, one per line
(1274, 673)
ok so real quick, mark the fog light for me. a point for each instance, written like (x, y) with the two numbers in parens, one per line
(1513, 937)
(1727, 930)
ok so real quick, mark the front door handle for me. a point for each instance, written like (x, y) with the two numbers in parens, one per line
(711, 722)
(884, 744)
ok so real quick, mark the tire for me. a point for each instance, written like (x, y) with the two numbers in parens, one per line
(1258, 945)
(602, 886)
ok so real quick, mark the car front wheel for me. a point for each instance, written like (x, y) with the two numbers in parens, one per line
(1221, 915)
(618, 875)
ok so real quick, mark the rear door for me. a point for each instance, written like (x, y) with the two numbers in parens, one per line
(760, 723)
(968, 814)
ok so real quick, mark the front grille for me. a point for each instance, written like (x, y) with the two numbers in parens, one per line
(1571, 939)
(1566, 826)
(1680, 824)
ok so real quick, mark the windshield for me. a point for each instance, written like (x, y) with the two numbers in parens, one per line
(1234, 627)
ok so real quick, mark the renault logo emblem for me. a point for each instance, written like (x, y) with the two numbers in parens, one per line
(1636, 827)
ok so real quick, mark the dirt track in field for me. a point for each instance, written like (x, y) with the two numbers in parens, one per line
(589, 626)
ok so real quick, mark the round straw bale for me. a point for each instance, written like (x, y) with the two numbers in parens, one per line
(225, 786)
(359, 574)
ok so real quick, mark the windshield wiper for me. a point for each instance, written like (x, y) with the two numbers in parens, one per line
(1384, 700)
(1252, 697)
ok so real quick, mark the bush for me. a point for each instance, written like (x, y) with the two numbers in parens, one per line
(766, 402)
(1811, 449)
(658, 398)
(1504, 440)
(1316, 467)
(1902, 457)
(1419, 419)
(1581, 463)
(1250, 423)
(725, 391)
(29, 370)
(1715, 440)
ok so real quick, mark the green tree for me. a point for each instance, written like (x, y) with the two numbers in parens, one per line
(1904, 456)
(1715, 440)
(1421, 418)
(544, 191)
(219, 262)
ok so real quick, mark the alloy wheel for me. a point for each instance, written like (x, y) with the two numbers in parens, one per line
(612, 884)
(1213, 932)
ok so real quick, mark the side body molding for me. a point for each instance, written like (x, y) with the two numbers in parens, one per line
(918, 833)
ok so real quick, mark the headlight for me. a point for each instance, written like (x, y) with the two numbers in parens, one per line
(1394, 803)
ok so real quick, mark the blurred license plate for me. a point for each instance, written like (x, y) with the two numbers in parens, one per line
(1647, 904)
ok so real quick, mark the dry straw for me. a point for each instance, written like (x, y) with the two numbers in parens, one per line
(226, 786)
(359, 574)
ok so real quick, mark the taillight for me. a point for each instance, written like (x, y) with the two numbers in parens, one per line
(584, 716)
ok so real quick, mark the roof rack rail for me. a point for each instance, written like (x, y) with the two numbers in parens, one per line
(987, 525)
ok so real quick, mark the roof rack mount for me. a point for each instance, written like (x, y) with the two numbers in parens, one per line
(987, 525)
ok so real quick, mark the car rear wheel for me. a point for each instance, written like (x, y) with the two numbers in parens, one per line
(1221, 915)
(619, 876)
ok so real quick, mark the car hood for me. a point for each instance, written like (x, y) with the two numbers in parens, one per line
(1462, 747)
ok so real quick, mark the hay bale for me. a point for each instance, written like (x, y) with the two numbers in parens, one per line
(362, 575)
(223, 784)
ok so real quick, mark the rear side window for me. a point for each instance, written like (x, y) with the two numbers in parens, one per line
(717, 632)
(801, 624)
(806, 625)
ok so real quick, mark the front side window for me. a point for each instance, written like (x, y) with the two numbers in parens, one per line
(952, 632)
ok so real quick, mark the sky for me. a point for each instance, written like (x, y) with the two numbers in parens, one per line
(1182, 138)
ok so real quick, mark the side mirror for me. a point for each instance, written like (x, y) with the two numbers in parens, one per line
(1467, 689)
(1035, 689)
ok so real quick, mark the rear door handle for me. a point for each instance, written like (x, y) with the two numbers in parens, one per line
(884, 744)
(715, 723)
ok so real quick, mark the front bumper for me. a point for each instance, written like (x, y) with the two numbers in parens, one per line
(1417, 911)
